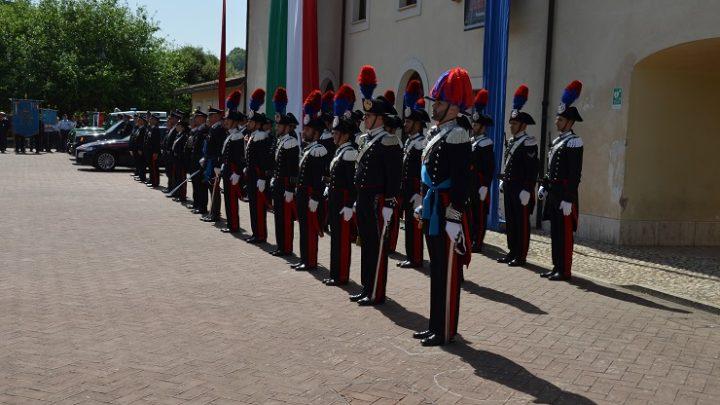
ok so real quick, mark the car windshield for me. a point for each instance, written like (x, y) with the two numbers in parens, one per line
(114, 131)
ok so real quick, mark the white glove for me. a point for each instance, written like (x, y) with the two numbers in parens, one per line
(312, 204)
(542, 193)
(347, 213)
(524, 198)
(483, 193)
(387, 213)
(354, 206)
(566, 208)
(289, 196)
(272, 183)
(234, 179)
(261, 185)
(500, 186)
(202, 162)
(418, 212)
(188, 176)
(416, 200)
(217, 171)
(326, 192)
(453, 229)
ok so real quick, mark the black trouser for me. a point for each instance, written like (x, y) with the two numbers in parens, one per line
(140, 166)
(373, 261)
(3, 141)
(19, 144)
(37, 143)
(341, 236)
(517, 219)
(258, 209)
(445, 279)
(231, 196)
(413, 235)
(200, 193)
(170, 172)
(309, 226)
(154, 169)
(284, 217)
(562, 233)
(214, 189)
(478, 220)
(62, 142)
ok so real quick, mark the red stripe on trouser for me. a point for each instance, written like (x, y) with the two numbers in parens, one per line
(417, 242)
(568, 236)
(480, 223)
(379, 285)
(312, 232)
(234, 195)
(525, 242)
(344, 270)
(394, 228)
(288, 226)
(260, 212)
(451, 292)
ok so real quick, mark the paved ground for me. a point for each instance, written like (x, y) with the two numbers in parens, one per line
(110, 293)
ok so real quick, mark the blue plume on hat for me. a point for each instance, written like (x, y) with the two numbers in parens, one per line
(367, 79)
(257, 99)
(344, 100)
(521, 97)
(280, 100)
(572, 93)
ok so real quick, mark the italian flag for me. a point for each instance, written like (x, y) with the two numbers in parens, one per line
(292, 52)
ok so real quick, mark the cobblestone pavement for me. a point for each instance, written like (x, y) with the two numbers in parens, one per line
(691, 273)
(111, 293)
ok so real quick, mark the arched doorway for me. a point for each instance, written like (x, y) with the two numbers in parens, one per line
(404, 80)
(671, 194)
(326, 85)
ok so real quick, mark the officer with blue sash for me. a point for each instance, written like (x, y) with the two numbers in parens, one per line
(445, 164)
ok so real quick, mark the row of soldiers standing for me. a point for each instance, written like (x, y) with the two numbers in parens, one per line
(357, 185)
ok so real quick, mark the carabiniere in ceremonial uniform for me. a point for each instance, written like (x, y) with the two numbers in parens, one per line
(560, 185)
(258, 158)
(482, 167)
(233, 165)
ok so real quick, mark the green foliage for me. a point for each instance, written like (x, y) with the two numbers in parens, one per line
(80, 55)
(236, 61)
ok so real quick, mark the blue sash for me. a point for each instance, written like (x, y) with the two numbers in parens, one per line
(431, 202)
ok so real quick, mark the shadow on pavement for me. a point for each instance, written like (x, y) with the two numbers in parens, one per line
(494, 367)
(501, 297)
(610, 292)
(401, 316)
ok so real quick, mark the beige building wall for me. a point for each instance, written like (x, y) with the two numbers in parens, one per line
(329, 42)
(599, 43)
(203, 99)
(257, 43)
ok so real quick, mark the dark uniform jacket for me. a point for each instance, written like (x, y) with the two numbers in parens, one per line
(521, 164)
(233, 153)
(287, 161)
(178, 147)
(342, 176)
(564, 171)
(152, 141)
(410, 179)
(447, 156)
(312, 169)
(216, 138)
(196, 140)
(168, 142)
(379, 164)
(137, 138)
(482, 162)
(258, 156)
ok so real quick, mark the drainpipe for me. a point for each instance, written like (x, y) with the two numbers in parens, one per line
(342, 43)
(247, 55)
(545, 102)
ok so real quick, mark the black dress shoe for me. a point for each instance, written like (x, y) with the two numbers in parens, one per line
(476, 249)
(505, 259)
(422, 335)
(365, 302)
(332, 283)
(432, 340)
(305, 267)
(400, 264)
(557, 276)
(210, 219)
(357, 297)
(409, 265)
(168, 195)
(547, 274)
(228, 230)
(296, 265)
(255, 241)
(517, 263)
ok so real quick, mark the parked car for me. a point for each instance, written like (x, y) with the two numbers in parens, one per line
(108, 154)
(79, 136)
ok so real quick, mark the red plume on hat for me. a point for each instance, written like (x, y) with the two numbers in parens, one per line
(481, 100)
(521, 97)
(257, 99)
(233, 100)
(454, 87)
(390, 96)
(367, 79)
(313, 103)
(280, 100)
(344, 100)
(327, 101)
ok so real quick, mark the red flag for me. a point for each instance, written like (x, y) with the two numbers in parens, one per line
(223, 61)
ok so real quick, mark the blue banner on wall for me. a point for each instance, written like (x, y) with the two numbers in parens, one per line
(26, 117)
(495, 58)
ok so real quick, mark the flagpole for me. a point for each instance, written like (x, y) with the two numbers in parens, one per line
(223, 62)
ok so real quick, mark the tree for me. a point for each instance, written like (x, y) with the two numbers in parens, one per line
(236, 61)
(84, 55)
